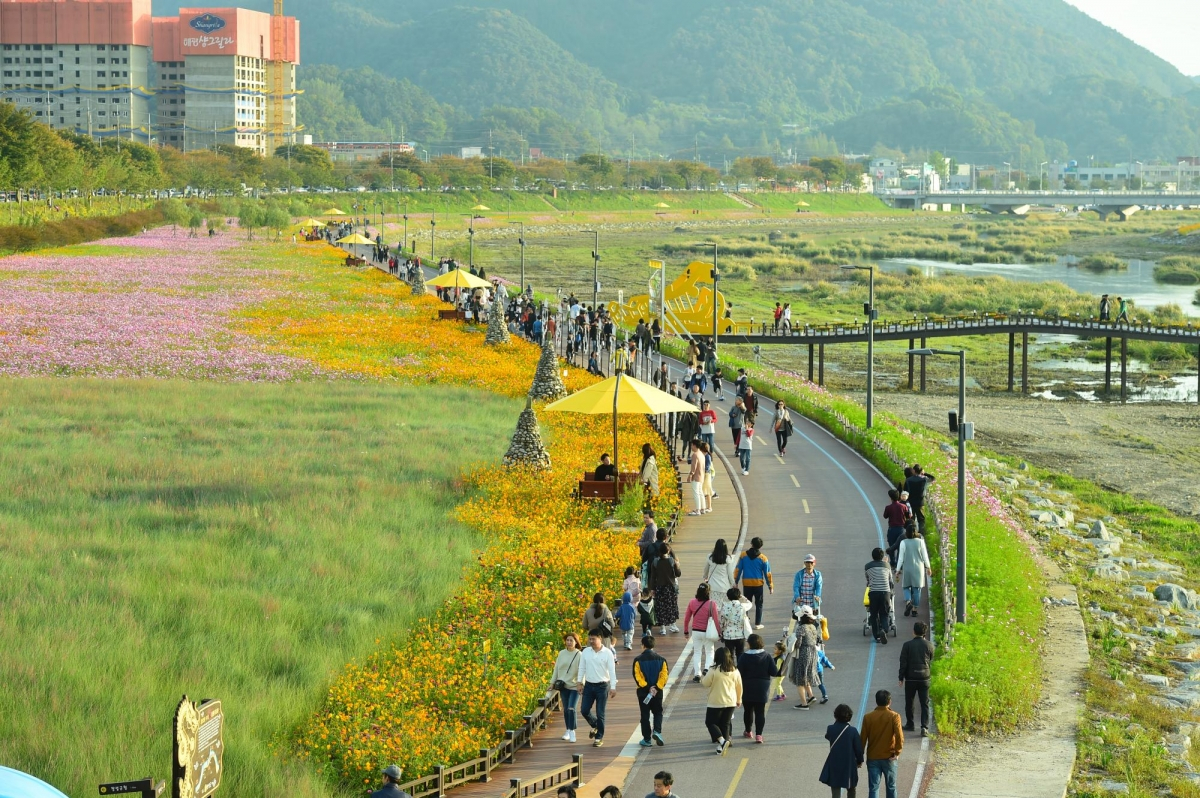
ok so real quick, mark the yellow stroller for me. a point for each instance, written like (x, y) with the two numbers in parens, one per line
(891, 621)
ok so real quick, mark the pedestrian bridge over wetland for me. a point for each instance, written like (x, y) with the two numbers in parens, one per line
(817, 337)
(1106, 203)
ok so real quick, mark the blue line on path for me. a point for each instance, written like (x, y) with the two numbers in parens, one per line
(862, 707)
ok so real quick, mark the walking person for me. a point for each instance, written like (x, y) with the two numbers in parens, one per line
(1105, 307)
(626, 617)
(879, 594)
(778, 314)
(597, 678)
(782, 426)
(724, 685)
(664, 570)
(897, 514)
(757, 669)
(787, 318)
(719, 569)
(882, 741)
(737, 416)
(823, 663)
(912, 569)
(708, 423)
(1122, 311)
(696, 477)
(840, 771)
(915, 485)
(695, 622)
(780, 659)
(754, 572)
(916, 656)
(599, 619)
(710, 472)
(804, 657)
(732, 622)
(716, 377)
(566, 681)
(648, 475)
(650, 674)
(745, 447)
(807, 585)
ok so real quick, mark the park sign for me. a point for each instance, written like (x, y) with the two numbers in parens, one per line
(199, 750)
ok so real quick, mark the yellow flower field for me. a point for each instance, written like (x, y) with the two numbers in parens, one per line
(430, 698)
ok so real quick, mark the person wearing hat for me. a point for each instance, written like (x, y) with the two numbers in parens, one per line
(897, 515)
(1105, 307)
(806, 587)
(391, 784)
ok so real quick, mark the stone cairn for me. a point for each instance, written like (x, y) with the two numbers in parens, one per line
(526, 448)
(547, 383)
(418, 283)
(497, 333)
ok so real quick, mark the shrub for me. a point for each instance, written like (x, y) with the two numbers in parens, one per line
(1102, 262)
(1178, 269)
(75, 230)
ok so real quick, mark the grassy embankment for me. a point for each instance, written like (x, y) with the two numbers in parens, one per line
(236, 541)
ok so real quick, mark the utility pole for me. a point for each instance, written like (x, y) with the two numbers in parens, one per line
(491, 163)
(433, 236)
(521, 241)
(716, 305)
(595, 269)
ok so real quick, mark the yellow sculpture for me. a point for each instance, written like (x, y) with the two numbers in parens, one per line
(689, 303)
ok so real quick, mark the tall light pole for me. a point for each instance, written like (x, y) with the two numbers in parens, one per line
(404, 245)
(595, 269)
(521, 241)
(471, 235)
(869, 310)
(433, 235)
(1007, 176)
(965, 432)
(1041, 180)
(716, 275)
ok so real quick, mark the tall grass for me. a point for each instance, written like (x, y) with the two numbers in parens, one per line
(239, 542)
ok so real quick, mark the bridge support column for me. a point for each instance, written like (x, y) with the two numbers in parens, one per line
(911, 345)
(923, 345)
(1124, 368)
(1012, 345)
(821, 364)
(1107, 367)
(1025, 363)
(810, 362)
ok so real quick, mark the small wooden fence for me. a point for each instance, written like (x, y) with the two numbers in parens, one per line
(547, 783)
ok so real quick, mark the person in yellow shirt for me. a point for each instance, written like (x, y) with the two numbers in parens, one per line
(724, 685)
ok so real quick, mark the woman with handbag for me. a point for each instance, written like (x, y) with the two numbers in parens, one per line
(701, 619)
(804, 662)
(840, 771)
(566, 681)
(664, 571)
(782, 426)
(598, 618)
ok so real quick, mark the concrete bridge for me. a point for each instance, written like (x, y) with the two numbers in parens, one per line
(1123, 204)
(816, 337)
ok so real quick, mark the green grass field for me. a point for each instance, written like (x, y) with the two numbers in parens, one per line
(229, 541)
(833, 203)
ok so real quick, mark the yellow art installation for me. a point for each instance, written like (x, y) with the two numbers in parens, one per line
(689, 303)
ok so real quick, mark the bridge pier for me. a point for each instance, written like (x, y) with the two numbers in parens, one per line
(923, 346)
(810, 362)
(1122, 212)
(1107, 367)
(1025, 363)
(1124, 367)
(1015, 210)
(821, 365)
(1012, 345)
(911, 346)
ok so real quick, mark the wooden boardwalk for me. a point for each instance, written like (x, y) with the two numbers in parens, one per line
(606, 765)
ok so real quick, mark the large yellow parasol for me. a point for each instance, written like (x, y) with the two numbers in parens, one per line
(620, 395)
(357, 238)
(480, 207)
(334, 212)
(311, 223)
(458, 279)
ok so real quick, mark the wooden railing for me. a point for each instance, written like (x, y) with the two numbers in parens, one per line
(547, 783)
(445, 777)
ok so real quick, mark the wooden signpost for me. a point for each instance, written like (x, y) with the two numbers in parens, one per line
(146, 788)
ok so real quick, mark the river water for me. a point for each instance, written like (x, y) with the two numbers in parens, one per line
(1136, 282)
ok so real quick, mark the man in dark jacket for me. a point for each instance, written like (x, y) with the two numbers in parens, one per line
(650, 673)
(915, 657)
(915, 485)
(756, 667)
(391, 784)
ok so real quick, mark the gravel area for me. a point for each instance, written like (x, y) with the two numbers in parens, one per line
(1146, 450)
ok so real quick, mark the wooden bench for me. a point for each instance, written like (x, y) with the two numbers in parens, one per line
(452, 315)
(353, 260)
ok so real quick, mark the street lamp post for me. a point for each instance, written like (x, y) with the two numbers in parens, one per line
(471, 235)
(965, 432)
(869, 310)
(1041, 180)
(404, 245)
(1007, 176)
(433, 235)
(595, 269)
(521, 241)
(716, 275)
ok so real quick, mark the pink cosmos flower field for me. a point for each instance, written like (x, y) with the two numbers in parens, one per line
(134, 315)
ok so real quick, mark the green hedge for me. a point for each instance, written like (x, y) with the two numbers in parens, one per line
(76, 230)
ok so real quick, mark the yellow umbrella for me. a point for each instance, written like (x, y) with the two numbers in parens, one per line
(802, 204)
(481, 208)
(311, 223)
(458, 279)
(334, 212)
(620, 395)
(357, 238)
(662, 205)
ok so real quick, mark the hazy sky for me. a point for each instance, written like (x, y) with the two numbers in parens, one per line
(1167, 28)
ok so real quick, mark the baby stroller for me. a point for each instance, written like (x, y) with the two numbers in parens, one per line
(891, 621)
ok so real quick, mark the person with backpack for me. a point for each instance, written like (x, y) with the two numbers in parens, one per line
(650, 672)
(626, 617)
(879, 594)
(599, 619)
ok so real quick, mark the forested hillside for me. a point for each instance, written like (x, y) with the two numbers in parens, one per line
(728, 77)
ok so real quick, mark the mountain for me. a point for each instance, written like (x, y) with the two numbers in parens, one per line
(725, 76)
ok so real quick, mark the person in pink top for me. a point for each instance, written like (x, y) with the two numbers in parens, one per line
(699, 610)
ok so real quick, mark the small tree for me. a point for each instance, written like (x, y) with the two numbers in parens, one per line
(250, 216)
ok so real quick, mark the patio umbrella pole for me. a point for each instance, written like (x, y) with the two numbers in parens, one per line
(616, 466)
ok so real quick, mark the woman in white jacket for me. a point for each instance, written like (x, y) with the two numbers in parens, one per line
(913, 563)
(719, 569)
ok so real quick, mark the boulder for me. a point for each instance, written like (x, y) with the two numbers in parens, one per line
(1176, 596)
(1189, 669)
(1187, 651)
(1100, 531)
(1109, 571)
(1155, 680)
(1186, 696)
(1114, 786)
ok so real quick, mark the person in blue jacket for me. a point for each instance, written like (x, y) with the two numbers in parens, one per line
(806, 587)
(626, 618)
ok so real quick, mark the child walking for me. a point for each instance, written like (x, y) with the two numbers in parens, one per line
(633, 584)
(823, 663)
(744, 447)
(626, 615)
(645, 610)
(780, 657)
(716, 378)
